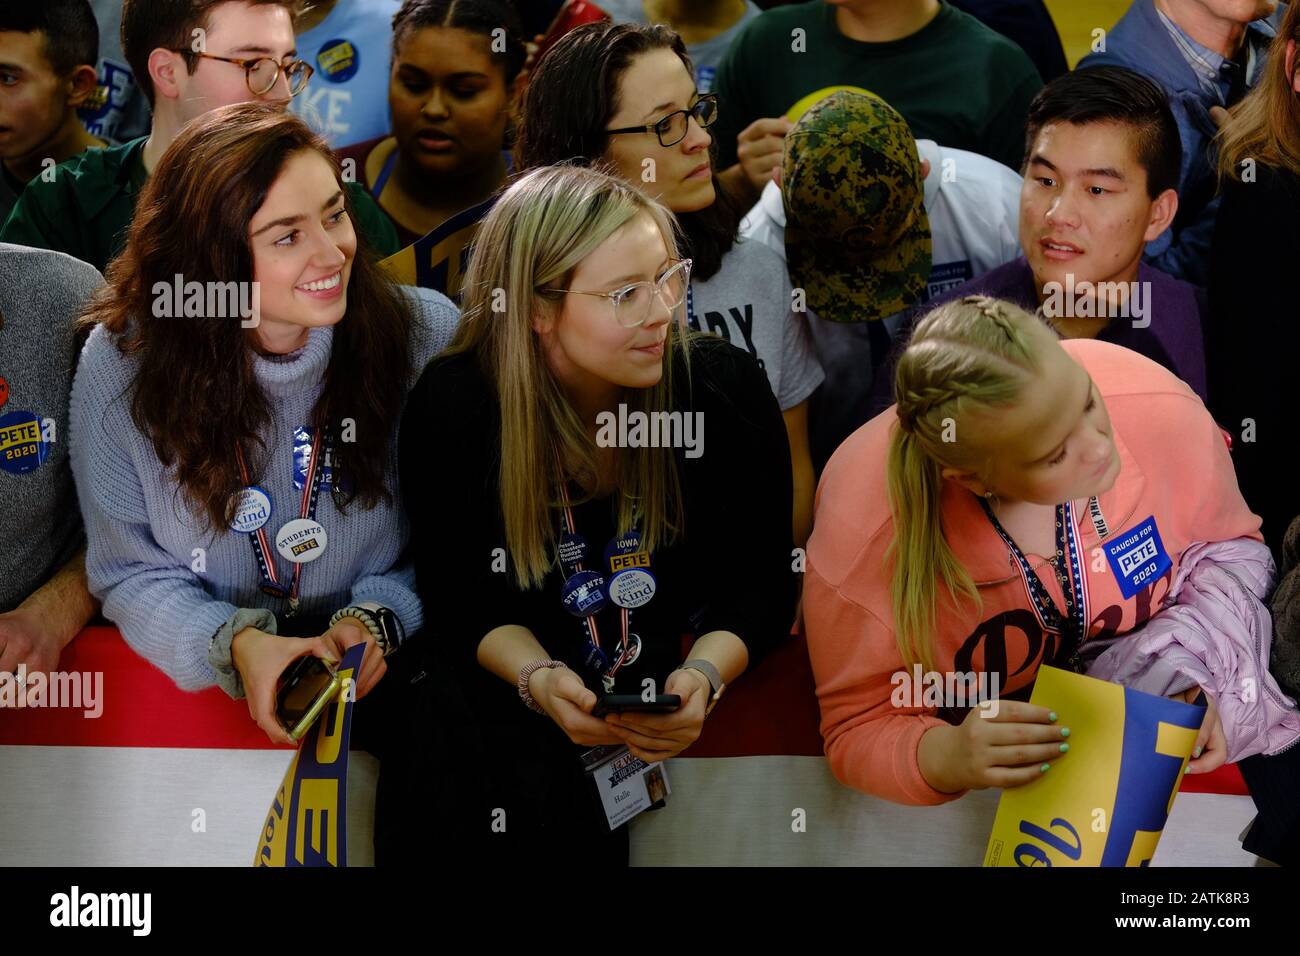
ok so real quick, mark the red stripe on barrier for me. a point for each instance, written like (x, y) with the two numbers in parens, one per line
(770, 711)
(141, 707)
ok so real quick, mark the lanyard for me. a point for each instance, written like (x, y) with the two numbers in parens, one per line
(690, 306)
(1073, 625)
(271, 583)
(598, 660)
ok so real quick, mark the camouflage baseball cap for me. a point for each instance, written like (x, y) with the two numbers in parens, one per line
(857, 238)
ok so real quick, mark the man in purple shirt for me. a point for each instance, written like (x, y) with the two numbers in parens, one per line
(1101, 170)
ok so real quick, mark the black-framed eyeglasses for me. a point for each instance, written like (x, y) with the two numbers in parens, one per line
(672, 129)
(633, 302)
(262, 73)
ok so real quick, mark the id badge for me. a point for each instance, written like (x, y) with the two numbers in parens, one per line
(626, 784)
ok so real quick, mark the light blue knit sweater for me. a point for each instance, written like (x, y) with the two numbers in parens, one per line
(143, 558)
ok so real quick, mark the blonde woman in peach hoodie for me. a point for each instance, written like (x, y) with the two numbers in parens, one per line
(1024, 495)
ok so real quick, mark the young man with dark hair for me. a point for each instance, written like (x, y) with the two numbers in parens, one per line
(1206, 55)
(1101, 175)
(47, 57)
(191, 57)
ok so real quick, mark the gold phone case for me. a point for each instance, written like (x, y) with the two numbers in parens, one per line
(327, 693)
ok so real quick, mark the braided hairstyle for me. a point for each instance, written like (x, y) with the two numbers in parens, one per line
(971, 352)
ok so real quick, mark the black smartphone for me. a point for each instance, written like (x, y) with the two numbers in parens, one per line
(307, 686)
(635, 703)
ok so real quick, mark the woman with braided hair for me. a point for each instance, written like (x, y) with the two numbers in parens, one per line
(1026, 501)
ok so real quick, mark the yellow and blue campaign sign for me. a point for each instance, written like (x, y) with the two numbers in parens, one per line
(1105, 803)
(313, 831)
(439, 259)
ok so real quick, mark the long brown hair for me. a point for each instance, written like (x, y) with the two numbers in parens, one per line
(1265, 126)
(194, 392)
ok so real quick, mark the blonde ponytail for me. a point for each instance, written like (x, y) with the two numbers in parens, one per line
(965, 354)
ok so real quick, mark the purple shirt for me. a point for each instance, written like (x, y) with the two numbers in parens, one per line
(1173, 338)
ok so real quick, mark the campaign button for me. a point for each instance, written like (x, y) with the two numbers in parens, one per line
(573, 549)
(252, 510)
(1137, 557)
(583, 593)
(629, 543)
(633, 649)
(338, 60)
(632, 588)
(22, 449)
(301, 540)
(4, 391)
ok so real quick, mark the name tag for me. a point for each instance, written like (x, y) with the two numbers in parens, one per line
(626, 784)
(1137, 557)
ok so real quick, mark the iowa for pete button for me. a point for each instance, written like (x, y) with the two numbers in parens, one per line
(301, 540)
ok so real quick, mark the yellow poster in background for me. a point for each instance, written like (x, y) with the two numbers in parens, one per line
(1106, 801)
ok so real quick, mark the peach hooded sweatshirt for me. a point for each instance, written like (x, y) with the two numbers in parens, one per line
(1174, 467)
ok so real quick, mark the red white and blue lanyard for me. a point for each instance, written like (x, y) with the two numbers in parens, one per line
(271, 582)
(1073, 625)
(589, 622)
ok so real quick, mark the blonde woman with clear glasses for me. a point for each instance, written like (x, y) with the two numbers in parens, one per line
(571, 553)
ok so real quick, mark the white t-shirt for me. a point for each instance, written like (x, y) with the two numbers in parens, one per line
(706, 55)
(748, 303)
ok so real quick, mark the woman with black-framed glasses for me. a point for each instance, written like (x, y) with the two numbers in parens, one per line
(647, 121)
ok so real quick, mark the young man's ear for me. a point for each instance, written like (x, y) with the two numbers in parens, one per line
(165, 72)
(82, 85)
(1163, 210)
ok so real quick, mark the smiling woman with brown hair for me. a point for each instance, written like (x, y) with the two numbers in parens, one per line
(238, 399)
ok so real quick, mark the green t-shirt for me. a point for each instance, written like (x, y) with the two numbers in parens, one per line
(85, 208)
(955, 81)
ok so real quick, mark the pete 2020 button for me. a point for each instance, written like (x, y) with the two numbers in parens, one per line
(22, 449)
(301, 540)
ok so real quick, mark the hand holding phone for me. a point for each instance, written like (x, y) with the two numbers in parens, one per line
(309, 684)
(658, 736)
(262, 660)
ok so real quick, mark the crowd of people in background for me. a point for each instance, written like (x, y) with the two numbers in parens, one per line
(323, 324)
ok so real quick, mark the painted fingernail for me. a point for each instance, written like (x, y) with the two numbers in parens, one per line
(1197, 752)
(1187, 769)
(1052, 716)
(1044, 768)
(1065, 748)
(1065, 731)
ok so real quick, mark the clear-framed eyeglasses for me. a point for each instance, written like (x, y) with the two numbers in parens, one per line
(634, 302)
(262, 73)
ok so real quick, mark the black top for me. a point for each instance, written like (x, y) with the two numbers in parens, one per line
(732, 570)
(1253, 338)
